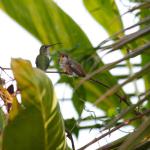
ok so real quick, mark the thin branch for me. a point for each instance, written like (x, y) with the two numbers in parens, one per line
(127, 122)
(141, 6)
(122, 98)
(95, 126)
(124, 112)
(126, 39)
(90, 118)
(121, 31)
(114, 144)
(115, 88)
(109, 66)
(69, 135)
(3, 69)
(55, 72)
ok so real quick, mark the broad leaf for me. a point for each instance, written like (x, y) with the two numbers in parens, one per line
(106, 13)
(39, 124)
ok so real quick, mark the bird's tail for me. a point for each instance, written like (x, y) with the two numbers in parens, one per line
(122, 98)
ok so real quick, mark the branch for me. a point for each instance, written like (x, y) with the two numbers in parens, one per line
(127, 122)
(3, 69)
(55, 72)
(69, 135)
(124, 112)
(95, 126)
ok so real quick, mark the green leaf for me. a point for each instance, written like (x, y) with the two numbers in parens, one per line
(79, 99)
(106, 13)
(2, 120)
(72, 125)
(15, 108)
(27, 128)
(40, 119)
(47, 22)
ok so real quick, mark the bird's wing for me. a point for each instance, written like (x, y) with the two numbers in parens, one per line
(76, 68)
(42, 62)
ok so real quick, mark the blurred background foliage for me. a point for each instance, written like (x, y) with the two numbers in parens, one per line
(50, 24)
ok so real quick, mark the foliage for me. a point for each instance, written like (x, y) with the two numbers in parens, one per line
(48, 22)
(32, 125)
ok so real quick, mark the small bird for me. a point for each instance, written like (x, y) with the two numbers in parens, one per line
(43, 59)
(71, 67)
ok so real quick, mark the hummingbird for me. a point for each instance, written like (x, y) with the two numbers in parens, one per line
(43, 59)
(71, 67)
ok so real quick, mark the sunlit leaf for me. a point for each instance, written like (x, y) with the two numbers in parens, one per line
(106, 13)
(34, 123)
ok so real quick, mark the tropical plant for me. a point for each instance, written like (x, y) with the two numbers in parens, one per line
(37, 118)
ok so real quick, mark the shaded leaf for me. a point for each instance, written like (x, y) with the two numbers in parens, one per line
(79, 99)
(71, 125)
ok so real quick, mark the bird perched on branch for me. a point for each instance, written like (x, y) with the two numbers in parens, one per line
(43, 59)
(71, 67)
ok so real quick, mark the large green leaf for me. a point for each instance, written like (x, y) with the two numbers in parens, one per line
(106, 13)
(39, 124)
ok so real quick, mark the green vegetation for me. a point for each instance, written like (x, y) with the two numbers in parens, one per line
(36, 122)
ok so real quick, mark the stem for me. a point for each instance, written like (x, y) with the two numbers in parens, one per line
(127, 122)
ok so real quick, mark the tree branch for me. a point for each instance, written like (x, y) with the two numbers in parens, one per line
(127, 122)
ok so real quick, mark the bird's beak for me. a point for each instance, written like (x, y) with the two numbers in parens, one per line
(52, 45)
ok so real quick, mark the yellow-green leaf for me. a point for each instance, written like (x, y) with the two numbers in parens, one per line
(39, 124)
(106, 13)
